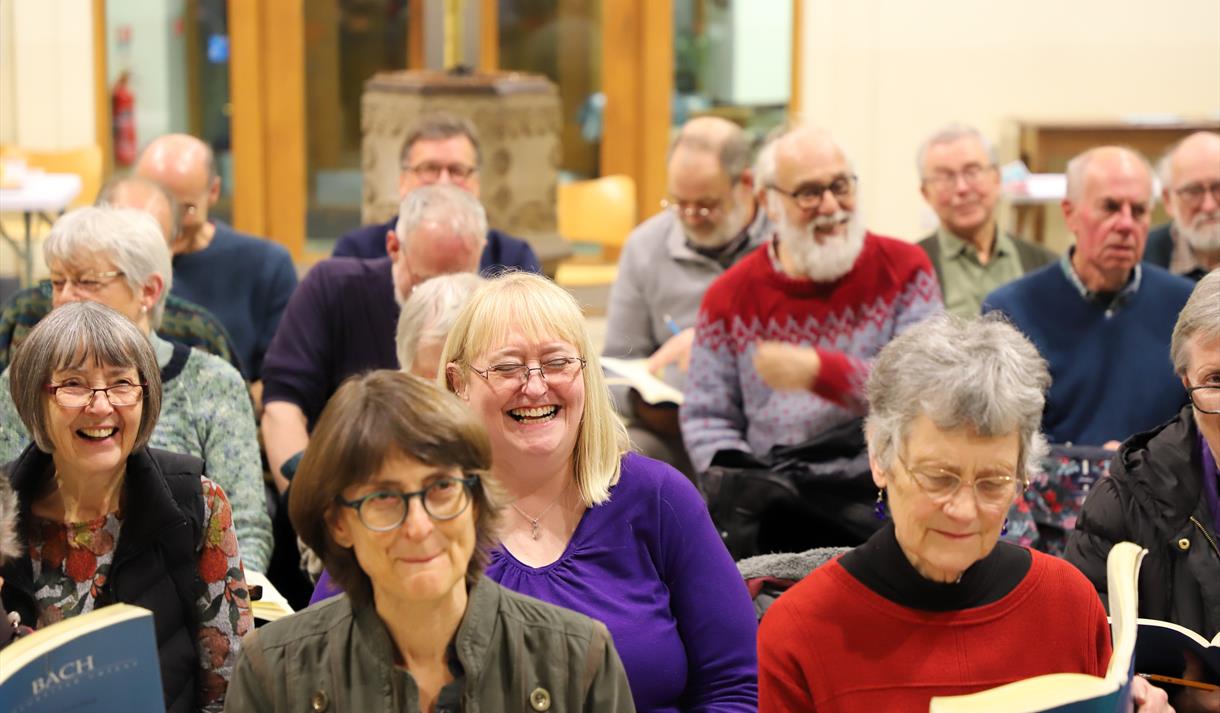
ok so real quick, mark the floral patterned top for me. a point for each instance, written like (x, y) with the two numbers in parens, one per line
(71, 562)
(205, 412)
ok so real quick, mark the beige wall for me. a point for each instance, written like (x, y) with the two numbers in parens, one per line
(881, 74)
(46, 73)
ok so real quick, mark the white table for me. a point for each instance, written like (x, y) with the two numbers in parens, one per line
(40, 194)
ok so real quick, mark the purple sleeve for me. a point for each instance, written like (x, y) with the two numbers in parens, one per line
(710, 604)
(324, 589)
(298, 360)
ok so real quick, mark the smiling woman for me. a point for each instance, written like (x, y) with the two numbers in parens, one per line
(395, 494)
(86, 385)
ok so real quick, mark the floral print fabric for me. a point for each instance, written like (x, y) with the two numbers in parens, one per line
(71, 563)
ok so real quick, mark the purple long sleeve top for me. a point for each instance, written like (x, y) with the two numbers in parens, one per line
(649, 564)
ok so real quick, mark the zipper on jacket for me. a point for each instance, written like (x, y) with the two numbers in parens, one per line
(1210, 540)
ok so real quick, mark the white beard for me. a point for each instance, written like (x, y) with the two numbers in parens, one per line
(828, 261)
(1204, 238)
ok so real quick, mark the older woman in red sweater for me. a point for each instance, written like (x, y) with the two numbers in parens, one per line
(934, 604)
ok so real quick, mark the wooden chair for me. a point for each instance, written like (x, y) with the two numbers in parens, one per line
(598, 212)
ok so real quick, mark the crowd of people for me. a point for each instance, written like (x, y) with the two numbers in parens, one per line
(417, 440)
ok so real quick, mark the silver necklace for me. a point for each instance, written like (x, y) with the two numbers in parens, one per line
(535, 530)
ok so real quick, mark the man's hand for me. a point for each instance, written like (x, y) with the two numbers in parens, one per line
(285, 434)
(676, 349)
(786, 367)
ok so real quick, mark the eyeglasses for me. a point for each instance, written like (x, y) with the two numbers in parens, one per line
(941, 486)
(1192, 194)
(430, 171)
(87, 282)
(385, 510)
(704, 210)
(1205, 398)
(808, 196)
(77, 396)
(513, 375)
(946, 180)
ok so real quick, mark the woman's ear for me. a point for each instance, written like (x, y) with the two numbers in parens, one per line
(339, 531)
(151, 292)
(879, 478)
(455, 381)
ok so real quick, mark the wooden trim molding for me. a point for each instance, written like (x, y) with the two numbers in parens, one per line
(103, 132)
(637, 79)
(798, 60)
(416, 58)
(489, 36)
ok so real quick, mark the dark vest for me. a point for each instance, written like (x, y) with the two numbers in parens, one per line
(155, 562)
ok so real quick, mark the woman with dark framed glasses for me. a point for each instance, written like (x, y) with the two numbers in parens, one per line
(1162, 495)
(394, 494)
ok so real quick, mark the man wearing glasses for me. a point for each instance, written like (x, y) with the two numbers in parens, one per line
(1101, 319)
(1189, 245)
(960, 180)
(441, 148)
(785, 337)
(709, 221)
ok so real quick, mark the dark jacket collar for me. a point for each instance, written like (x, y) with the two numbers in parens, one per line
(1159, 465)
(148, 506)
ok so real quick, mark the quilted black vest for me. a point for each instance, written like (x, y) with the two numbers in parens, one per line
(155, 562)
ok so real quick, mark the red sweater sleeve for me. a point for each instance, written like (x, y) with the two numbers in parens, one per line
(783, 655)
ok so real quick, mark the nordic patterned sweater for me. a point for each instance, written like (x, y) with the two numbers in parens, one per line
(727, 405)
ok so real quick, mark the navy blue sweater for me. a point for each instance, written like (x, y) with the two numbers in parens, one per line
(502, 251)
(1112, 376)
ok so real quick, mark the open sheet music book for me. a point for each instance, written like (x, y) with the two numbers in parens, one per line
(634, 373)
(1160, 644)
(270, 605)
(1075, 692)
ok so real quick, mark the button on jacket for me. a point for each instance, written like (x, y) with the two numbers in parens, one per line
(517, 653)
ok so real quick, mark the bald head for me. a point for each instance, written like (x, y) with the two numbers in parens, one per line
(1105, 161)
(143, 195)
(183, 164)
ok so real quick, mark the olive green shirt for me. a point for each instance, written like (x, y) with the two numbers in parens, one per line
(964, 280)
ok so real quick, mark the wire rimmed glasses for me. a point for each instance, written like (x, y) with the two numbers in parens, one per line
(385, 510)
(514, 375)
(993, 491)
(78, 396)
(430, 171)
(88, 282)
(946, 180)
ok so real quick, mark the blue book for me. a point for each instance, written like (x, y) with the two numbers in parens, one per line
(1075, 692)
(101, 662)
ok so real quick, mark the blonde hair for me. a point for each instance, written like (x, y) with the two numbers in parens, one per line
(543, 310)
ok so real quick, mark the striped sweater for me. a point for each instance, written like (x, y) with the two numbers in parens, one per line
(728, 407)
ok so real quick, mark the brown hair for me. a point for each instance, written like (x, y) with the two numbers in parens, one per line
(437, 127)
(370, 419)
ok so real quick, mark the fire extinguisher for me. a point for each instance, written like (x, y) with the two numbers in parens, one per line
(123, 107)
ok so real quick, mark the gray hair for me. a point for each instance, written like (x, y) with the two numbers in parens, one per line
(76, 335)
(949, 133)
(106, 197)
(1078, 168)
(732, 151)
(441, 202)
(1199, 318)
(438, 127)
(430, 312)
(979, 373)
(131, 239)
(764, 163)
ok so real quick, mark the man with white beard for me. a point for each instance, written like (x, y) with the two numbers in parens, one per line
(785, 338)
(708, 222)
(1189, 245)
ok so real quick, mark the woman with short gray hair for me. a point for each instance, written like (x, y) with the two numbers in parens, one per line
(426, 318)
(1162, 494)
(952, 431)
(106, 519)
(118, 257)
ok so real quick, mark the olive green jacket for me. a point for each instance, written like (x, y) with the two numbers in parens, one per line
(519, 654)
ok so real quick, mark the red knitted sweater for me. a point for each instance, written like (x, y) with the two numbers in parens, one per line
(832, 645)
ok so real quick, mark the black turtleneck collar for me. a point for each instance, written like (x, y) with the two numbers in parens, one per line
(880, 565)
